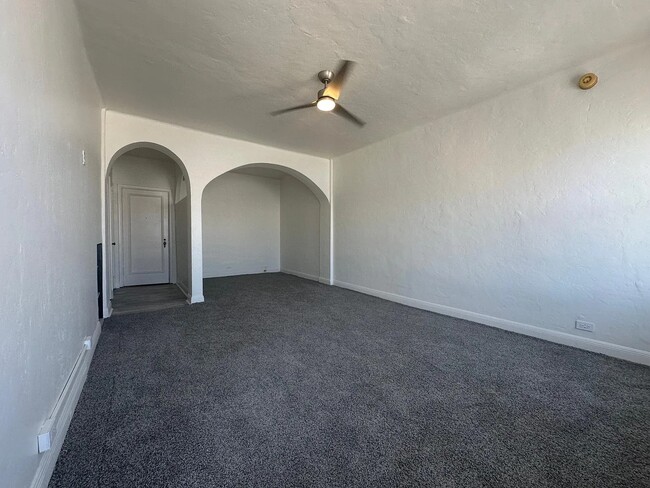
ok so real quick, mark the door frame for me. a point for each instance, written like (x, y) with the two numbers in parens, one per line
(118, 281)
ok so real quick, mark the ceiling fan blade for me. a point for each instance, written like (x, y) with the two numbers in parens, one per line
(335, 86)
(339, 110)
(298, 107)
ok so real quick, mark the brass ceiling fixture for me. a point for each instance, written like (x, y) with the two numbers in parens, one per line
(588, 81)
(328, 97)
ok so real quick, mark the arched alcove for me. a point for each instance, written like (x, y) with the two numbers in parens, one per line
(204, 157)
(146, 169)
(255, 218)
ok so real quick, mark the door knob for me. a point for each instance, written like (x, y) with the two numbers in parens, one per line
(165, 242)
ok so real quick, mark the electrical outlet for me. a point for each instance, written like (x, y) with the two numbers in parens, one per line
(44, 441)
(46, 436)
(586, 326)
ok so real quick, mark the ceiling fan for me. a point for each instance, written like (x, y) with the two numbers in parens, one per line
(328, 96)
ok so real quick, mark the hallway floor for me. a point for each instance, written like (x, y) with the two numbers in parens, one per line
(149, 298)
(276, 381)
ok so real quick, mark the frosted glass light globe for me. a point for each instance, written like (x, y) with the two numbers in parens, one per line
(326, 104)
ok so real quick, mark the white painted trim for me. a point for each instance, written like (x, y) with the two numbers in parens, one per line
(172, 238)
(300, 274)
(607, 348)
(269, 270)
(196, 299)
(62, 413)
(330, 281)
(112, 215)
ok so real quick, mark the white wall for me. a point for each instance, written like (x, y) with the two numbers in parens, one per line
(207, 156)
(241, 225)
(532, 207)
(300, 229)
(182, 234)
(182, 244)
(151, 173)
(50, 219)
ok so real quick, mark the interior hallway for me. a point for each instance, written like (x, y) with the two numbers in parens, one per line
(280, 381)
(149, 298)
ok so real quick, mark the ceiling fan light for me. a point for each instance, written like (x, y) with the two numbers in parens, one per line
(326, 104)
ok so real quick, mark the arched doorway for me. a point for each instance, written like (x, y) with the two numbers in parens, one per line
(147, 223)
(263, 217)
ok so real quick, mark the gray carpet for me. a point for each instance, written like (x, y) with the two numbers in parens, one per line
(277, 381)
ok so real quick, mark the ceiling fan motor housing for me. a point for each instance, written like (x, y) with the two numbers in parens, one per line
(325, 76)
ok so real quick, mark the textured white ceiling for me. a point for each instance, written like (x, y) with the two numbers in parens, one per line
(222, 66)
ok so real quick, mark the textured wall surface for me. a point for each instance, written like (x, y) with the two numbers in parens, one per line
(182, 244)
(241, 225)
(532, 207)
(150, 173)
(299, 229)
(223, 66)
(50, 218)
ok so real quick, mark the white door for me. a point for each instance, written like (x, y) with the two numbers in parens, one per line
(145, 236)
(116, 279)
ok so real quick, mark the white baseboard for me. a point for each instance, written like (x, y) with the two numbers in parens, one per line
(300, 274)
(257, 271)
(62, 413)
(196, 299)
(607, 348)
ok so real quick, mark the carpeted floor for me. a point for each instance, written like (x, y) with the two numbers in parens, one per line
(277, 381)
